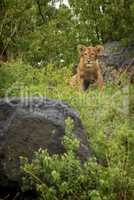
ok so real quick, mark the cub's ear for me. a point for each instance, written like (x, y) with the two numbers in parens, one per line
(99, 50)
(80, 48)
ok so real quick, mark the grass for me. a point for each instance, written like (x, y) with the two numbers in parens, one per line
(96, 110)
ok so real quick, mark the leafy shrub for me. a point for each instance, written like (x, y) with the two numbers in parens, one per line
(65, 177)
(59, 176)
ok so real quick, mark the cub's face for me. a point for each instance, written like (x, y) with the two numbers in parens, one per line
(90, 54)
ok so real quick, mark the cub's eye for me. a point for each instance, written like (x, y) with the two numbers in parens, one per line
(85, 54)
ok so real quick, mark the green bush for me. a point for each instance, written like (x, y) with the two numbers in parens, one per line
(60, 176)
(65, 177)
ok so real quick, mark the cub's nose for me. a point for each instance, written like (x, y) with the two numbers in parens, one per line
(88, 60)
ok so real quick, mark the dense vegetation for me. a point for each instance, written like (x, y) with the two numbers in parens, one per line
(38, 31)
(39, 39)
(63, 177)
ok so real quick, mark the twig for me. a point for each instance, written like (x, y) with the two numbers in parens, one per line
(7, 44)
(5, 197)
(16, 196)
(40, 11)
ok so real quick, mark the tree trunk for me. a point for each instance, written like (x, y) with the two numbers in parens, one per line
(3, 53)
(3, 49)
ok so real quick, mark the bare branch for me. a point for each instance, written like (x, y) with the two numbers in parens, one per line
(40, 11)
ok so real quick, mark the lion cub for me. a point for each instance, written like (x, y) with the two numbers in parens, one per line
(88, 69)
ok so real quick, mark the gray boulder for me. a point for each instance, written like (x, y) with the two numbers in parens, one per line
(29, 124)
(117, 57)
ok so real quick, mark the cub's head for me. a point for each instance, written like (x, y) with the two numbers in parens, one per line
(90, 54)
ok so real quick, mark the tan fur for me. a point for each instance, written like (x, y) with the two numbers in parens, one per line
(88, 69)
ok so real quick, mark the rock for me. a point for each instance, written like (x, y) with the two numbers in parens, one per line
(29, 124)
(117, 55)
(117, 58)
